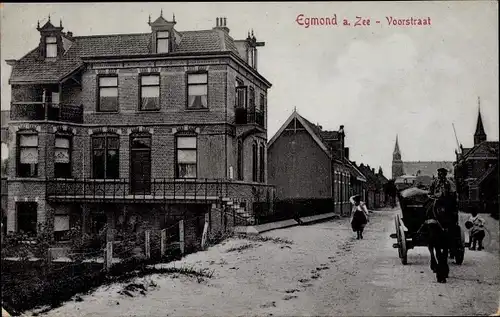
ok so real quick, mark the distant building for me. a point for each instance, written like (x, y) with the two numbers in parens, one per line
(476, 173)
(403, 171)
(308, 165)
(375, 195)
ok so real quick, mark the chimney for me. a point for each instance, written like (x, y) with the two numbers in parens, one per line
(69, 34)
(221, 24)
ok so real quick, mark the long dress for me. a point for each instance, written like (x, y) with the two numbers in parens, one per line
(359, 215)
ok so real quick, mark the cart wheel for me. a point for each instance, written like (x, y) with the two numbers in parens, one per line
(396, 225)
(402, 246)
(460, 250)
(402, 250)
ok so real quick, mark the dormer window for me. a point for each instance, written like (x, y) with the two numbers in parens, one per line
(51, 46)
(162, 45)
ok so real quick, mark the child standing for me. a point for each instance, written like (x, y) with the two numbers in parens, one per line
(475, 224)
(359, 215)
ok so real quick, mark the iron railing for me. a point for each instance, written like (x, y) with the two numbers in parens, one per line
(37, 111)
(154, 189)
(244, 116)
(4, 186)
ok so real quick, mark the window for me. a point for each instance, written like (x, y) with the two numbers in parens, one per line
(254, 162)
(27, 218)
(61, 225)
(240, 94)
(240, 160)
(28, 155)
(262, 162)
(105, 156)
(51, 46)
(162, 42)
(108, 94)
(251, 99)
(62, 157)
(197, 91)
(186, 157)
(150, 92)
(262, 103)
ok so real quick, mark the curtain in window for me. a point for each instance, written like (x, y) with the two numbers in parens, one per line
(108, 93)
(150, 92)
(197, 90)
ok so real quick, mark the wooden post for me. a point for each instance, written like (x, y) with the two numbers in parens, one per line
(204, 236)
(108, 256)
(147, 247)
(163, 242)
(181, 235)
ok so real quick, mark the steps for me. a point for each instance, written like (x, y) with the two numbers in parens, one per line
(240, 212)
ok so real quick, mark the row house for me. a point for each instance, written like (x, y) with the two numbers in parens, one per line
(476, 173)
(307, 165)
(374, 187)
(135, 128)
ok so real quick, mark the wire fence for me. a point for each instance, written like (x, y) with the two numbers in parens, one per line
(27, 281)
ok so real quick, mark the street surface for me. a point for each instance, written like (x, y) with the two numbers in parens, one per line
(326, 271)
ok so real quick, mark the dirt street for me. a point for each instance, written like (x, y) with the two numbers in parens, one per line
(325, 271)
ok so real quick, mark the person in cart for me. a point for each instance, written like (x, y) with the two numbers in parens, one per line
(444, 191)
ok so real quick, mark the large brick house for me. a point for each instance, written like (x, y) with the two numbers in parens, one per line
(476, 173)
(309, 164)
(143, 128)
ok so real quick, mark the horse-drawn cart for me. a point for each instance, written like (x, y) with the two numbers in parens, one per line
(410, 231)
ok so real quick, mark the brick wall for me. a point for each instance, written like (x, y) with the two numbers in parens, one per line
(300, 169)
(29, 191)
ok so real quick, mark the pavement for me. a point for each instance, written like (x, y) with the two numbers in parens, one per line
(319, 269)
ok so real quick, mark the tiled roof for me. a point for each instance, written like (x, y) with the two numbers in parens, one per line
(31, 68)
(490, 147)
(428, 168)
(355, 172)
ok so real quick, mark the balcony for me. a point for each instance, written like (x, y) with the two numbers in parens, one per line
(155, 190)
(4, 186)
(41, 111)
(243, 116)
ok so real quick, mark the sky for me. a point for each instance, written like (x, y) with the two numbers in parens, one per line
(377, 80)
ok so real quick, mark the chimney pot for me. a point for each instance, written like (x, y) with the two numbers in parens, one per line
(217, 23)
(224, 21)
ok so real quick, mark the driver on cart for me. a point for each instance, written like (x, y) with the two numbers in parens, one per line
(443, 190)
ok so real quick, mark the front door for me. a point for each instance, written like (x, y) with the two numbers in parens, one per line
(140, 160)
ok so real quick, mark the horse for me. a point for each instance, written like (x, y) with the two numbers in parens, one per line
(439, 223)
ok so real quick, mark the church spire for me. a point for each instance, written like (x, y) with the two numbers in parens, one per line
(480, 134)
(396, 147)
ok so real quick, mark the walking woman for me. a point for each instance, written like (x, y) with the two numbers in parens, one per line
(359, 215)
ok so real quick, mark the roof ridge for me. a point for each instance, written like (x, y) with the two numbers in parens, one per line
(106, 35)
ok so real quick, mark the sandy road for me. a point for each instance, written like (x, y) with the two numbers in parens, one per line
(324, 272)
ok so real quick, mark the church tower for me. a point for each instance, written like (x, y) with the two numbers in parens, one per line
(397, 163)
(479, 135)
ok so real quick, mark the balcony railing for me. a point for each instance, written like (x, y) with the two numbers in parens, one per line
(155, 190)
(4, 186)
(243, 116)
(35, 111)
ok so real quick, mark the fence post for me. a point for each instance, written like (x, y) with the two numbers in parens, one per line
(181, 235)
(108, 256)
(163, 242)
(204, 236)
(147, 247)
